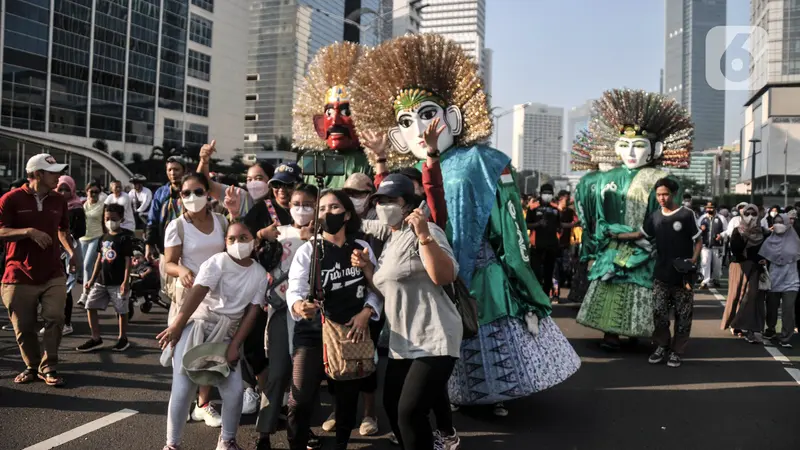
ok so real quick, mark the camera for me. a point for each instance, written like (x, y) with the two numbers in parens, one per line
(322, 164)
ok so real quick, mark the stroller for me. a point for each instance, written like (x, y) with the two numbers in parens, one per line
(145, 283)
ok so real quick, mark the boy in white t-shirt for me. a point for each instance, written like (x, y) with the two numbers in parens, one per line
(280, 327)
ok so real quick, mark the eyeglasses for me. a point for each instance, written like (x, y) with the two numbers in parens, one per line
(199, 192)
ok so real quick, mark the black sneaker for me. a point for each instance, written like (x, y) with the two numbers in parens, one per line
(768, 334)
(90, 345)
(121, 345)
(263, 443)
(313, 442)
(674, 360)
(786, 344)
(658, 356)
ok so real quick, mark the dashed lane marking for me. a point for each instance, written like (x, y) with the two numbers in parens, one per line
(773, 351)
(83, 430)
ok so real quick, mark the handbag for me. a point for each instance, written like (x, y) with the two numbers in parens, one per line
(764, 282)
(466, 305)
(342, 358)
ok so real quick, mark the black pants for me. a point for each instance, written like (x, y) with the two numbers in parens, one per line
(307, 374)
(544, 263)
(280, 372)
(773, 304)
(411, 389)
(253, 347)
(68, 310)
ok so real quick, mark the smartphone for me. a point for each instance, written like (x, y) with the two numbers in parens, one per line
(426, 212)
(321, 164)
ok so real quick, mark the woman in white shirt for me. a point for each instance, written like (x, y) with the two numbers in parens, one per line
(190, 240)
(120, 198)
(93, 210)
(228, 293)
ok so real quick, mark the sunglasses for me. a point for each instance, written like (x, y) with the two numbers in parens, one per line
(356, 193)
(285, 187)
(199, 192)
(749, 214)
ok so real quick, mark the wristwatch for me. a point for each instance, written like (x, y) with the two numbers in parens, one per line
(433, 153)
(426, 241)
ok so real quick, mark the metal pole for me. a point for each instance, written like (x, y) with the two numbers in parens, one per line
(785, 176)
(753, 171)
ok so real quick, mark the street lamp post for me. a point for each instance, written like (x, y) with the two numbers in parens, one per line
(503, 114)
(753, 154)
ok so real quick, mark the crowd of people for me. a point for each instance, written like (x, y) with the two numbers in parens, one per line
(420, 249)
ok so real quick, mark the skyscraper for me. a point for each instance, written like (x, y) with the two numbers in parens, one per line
(536, 140)
(284, 37)
(773, 107)
(135, 73)
(463, 21)
(687, 24)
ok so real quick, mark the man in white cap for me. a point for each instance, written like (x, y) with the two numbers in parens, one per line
(33, 220)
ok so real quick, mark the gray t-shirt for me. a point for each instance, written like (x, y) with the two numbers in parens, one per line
(421, 318)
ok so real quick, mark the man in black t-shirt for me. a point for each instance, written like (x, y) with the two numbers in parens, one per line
(677, 238)
(567, 219)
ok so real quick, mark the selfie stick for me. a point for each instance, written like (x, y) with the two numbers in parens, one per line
(315, 284)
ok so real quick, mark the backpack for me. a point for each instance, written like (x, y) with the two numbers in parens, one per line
(169, 282)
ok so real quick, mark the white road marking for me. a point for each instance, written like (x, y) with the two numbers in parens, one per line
(82, 430)
(773, 351)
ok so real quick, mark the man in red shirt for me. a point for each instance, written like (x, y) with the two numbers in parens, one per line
(33, 220)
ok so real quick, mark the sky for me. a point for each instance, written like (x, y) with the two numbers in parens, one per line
(565, 52)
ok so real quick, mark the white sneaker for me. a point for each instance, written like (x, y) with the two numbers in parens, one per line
(442, 442)
(41, 332)
(369, 426)
(251, 400)
(66, 330)
(207, 414)
(330, 423)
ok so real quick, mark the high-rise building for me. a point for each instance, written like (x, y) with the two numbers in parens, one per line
(284, 37)
(400, 17)
(133, 73)
(536, 140)
(463, 21)
(687, 24)
(577, 119)
(773, 107)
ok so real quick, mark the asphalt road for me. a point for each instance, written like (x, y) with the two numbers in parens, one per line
(728, 395)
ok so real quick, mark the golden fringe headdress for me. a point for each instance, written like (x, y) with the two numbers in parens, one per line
(329, 74)
(427, 64)
(635, 113)
(582, 152)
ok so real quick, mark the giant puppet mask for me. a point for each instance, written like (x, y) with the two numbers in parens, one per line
(637, 147)
(336, 126)
(415, 110)
(403, 85)
(321, 115)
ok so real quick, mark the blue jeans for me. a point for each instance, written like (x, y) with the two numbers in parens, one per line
(89, 252)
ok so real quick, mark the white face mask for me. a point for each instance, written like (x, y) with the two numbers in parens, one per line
(547, 198)
(748, 219)
(241, 250)
(302, 215)
(360, 204)
(773, 213)
(257, 188)
(779, 228)
(687, 204)
(391, 215)
(112, 225)
(194, 203)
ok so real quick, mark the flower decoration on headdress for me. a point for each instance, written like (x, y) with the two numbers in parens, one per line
(327, 82)
(401, 72)
(634, 113)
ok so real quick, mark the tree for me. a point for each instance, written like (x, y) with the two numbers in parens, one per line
(118, 155)
(691, 186)
(284, 144)
(137, 157)
(100, 145)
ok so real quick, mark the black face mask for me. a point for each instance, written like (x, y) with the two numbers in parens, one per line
(333, 222)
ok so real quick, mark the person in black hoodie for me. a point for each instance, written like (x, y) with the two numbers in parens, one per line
(545, 221)
(712, 225)
(348, 300)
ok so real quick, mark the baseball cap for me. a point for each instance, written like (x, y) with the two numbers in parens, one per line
(288, 173)
(358, 182)
(395, 185)
(412, 173)
(45, 162)
(546, 188)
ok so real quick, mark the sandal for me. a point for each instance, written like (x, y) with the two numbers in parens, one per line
(52, 379)
(27, 376)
